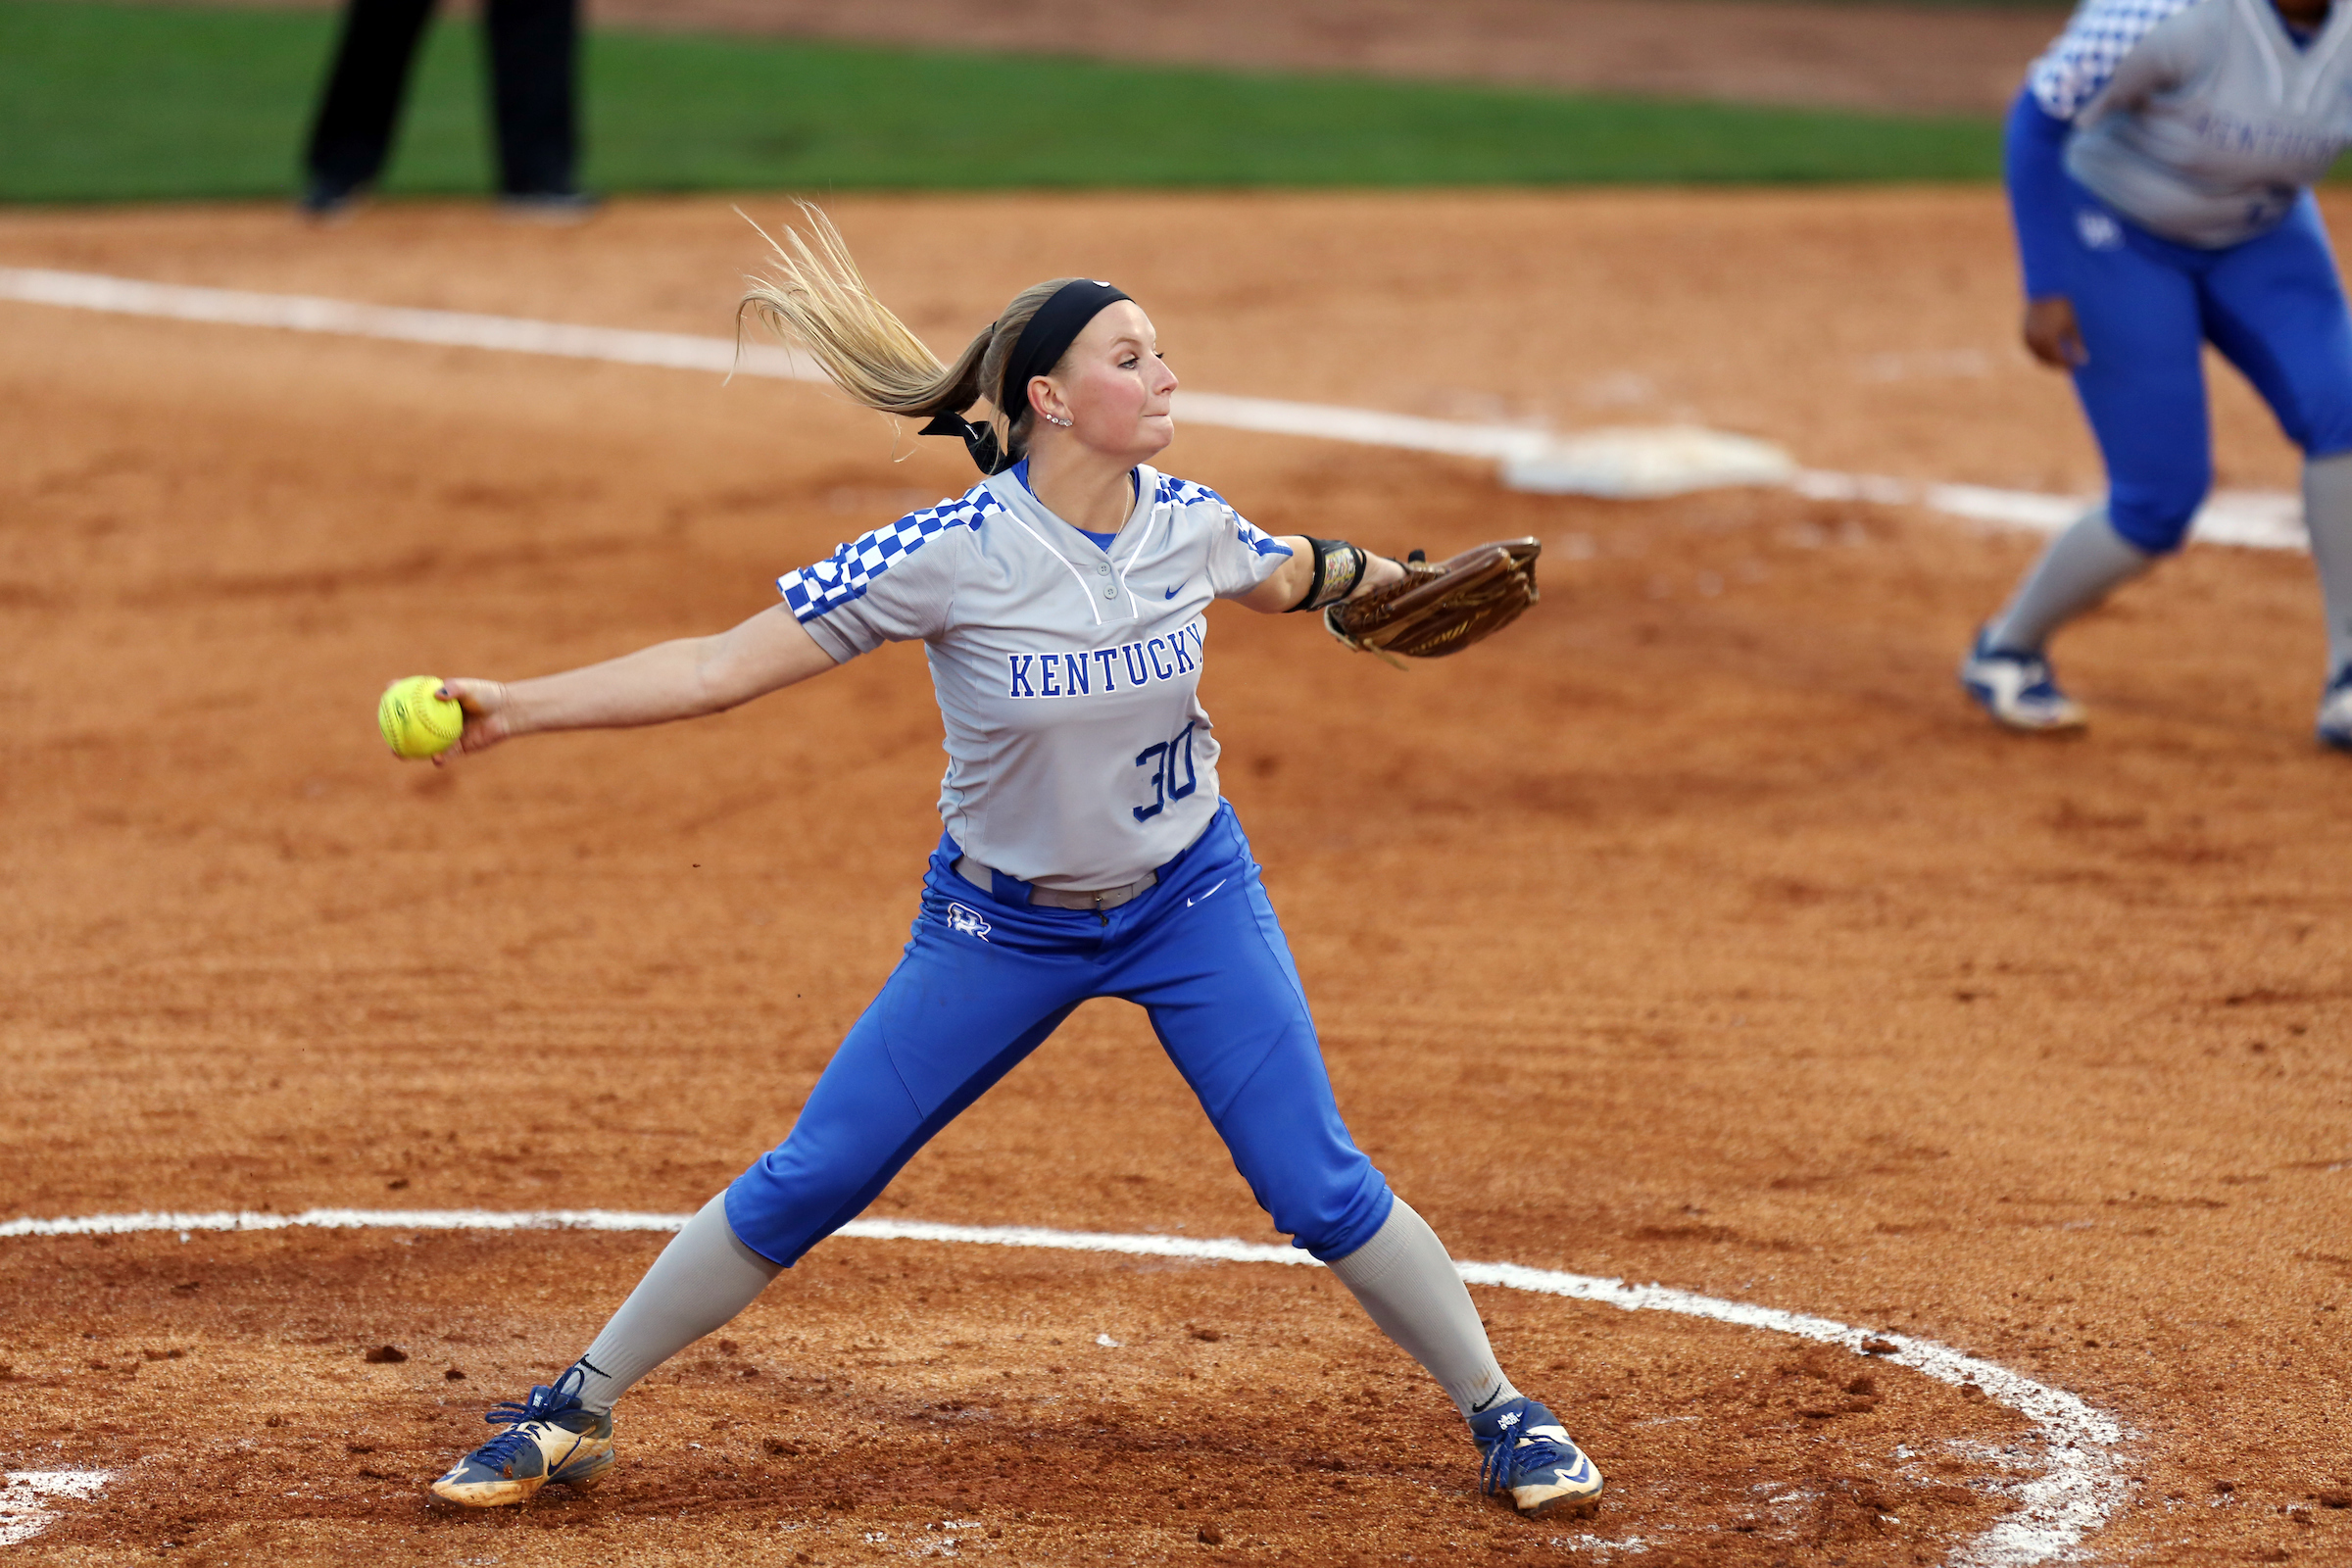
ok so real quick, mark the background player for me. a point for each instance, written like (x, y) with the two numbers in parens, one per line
(534, 65)
(2159, 164)
(1087, 852)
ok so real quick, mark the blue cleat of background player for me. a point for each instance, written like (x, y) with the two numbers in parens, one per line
(2017, 689)
(2336, 712)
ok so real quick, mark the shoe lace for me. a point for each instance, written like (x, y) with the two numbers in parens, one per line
(1516, 1449)
(545, 1402)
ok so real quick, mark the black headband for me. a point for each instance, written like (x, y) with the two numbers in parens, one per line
(1049, 336)
(1043, 342)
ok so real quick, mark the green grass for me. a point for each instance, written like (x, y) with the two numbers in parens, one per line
(111, 102)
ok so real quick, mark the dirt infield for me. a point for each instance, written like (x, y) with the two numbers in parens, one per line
(1695, 933)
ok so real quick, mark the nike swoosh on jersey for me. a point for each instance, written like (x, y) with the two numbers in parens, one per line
(1173, 592)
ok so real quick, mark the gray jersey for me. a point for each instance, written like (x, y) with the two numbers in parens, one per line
(2200, 120)
(1079, 755)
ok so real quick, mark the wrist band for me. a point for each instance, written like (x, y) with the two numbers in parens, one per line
(1339, 568)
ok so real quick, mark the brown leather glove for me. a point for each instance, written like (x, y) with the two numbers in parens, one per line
(1442, 609)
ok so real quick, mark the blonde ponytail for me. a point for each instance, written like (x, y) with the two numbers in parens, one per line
(818, 299)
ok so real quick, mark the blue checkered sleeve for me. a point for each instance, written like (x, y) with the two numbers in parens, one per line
(1239, 556)
(836, 598)
(2079, 67)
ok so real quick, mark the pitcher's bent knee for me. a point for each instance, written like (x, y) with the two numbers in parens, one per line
(1284, 1131)
(782, 1207)
(1346, 1225)
(858, 1127)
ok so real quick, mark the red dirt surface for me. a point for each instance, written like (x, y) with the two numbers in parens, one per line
(1696, 931)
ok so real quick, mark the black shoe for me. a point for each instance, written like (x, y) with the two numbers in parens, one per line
(547, 206)
(328, 200)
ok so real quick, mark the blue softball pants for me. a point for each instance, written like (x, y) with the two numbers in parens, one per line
(2274, 307)
(985, 980)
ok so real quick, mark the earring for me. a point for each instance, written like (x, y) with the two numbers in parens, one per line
(1064, 424)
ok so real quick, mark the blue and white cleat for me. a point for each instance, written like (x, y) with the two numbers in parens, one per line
(2018, 689)
(2336, 712)
(549, 1436)
(1530, 1459)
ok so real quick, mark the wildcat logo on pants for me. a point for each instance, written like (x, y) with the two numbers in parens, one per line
(967, 921)
(2097, 231)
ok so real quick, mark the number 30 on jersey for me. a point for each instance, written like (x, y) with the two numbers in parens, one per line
(1161, 760)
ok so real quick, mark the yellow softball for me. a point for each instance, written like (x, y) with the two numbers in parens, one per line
(414, 720)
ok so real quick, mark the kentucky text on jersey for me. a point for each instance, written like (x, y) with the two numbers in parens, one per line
(1053, 675)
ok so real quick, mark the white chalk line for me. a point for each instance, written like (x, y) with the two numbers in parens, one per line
(2079, 1485)
(2260, 520)
(25, 1494)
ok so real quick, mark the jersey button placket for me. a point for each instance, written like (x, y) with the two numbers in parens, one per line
(1103, 570)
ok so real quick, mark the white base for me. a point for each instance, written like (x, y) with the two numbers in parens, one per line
(1634, 463)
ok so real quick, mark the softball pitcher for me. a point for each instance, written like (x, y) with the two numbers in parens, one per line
(1087, 852)
(2160, 160)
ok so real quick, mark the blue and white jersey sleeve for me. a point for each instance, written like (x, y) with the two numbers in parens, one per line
(895, 584)
(1239, 556)
(2100, 50)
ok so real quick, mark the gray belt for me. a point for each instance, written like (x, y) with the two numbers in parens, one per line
(984, 877)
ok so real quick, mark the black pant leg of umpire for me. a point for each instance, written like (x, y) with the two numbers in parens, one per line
(353, 132)
(534, 49)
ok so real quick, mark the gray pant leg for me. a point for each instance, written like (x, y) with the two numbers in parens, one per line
(2328, 513)
(700, 1282)
(1408, 1286)
(2083, 565)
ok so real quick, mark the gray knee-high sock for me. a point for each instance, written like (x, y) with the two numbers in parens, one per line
(1408, 1285)
(2327, 514)
(701, 1280)
(2083, 565)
